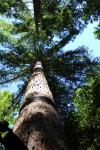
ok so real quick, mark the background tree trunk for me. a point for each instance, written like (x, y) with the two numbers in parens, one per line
(38, 125)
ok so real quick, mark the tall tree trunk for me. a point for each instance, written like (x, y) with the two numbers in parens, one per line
(38, 125)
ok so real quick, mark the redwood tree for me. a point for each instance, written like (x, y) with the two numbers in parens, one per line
(38, 125)
(27, 37)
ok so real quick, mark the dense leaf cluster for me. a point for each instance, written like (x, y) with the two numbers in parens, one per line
(6, 103)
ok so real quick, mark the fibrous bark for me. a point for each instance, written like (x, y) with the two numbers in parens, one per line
(38, 125)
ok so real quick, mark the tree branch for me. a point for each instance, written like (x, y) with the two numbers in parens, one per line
(62, 43)
(14, 78)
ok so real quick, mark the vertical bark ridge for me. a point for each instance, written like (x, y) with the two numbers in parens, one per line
(38, 125)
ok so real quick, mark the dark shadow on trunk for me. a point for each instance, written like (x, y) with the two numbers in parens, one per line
(43, 130)
(10, 140)
(31, 98)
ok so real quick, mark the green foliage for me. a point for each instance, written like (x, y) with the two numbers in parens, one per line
(92, 10)
(87, 103)
(84, 104)
(92, 13)
(97, 32)
(6, 104)
(28, 36)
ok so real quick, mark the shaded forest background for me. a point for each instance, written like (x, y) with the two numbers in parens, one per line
(73, 76)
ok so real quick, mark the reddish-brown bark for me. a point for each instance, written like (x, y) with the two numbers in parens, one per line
(38, 125)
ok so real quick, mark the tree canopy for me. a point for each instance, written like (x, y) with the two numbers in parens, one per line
(40, 33)
(39, 30)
